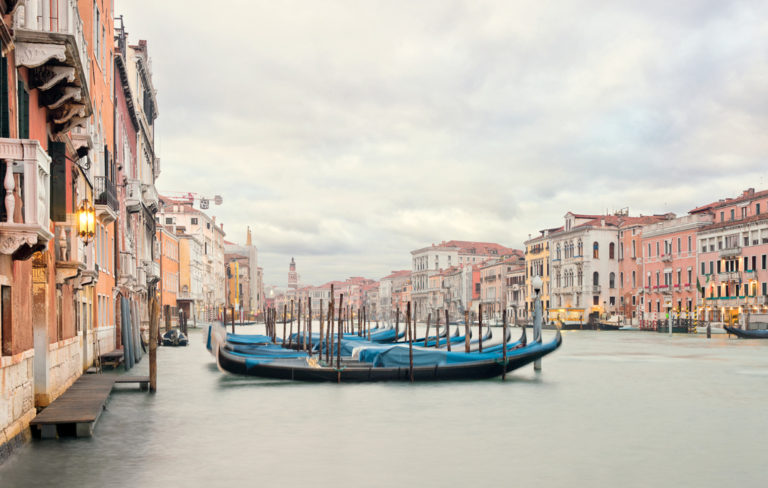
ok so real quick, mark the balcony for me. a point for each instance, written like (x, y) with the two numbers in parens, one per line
(105, 198)
(595, 288)
(152, 269)
(127, 275)
(51, 44)
(667, 258)
(24, 216)
(69, 252)
(149, 196)
(133, 196)
(730, 252)
(728, 276)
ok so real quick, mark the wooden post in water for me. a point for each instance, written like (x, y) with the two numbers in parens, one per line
(285, 320)
(466, 330)
(504, 341)
(480, 325)
(154, 318)
(309, 326)
(397, 324)
(298, 326)
(426, 335)
(338, 342)
(233, 318)
(410, 339)
(320, 341)
(365, 320)
(290, 328)
(447, 331)
(437, 330)
(329, 331)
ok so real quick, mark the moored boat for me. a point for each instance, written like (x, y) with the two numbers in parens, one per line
(443, 366)
(747, 334)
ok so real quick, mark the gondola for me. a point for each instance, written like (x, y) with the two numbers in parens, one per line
(747, 334)
(608, 326)
(450, 366)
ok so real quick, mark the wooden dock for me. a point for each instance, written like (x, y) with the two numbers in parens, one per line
(76, 412)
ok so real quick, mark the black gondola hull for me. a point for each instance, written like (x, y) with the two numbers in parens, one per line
(298, 370)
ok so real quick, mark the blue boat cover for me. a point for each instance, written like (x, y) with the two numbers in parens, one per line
(398, 356)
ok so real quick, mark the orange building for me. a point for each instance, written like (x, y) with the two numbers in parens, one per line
(168, 287)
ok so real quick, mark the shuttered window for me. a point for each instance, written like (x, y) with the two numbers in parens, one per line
(4, 112)
(23, 111)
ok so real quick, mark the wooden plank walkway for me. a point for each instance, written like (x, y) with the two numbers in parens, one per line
(76, 411)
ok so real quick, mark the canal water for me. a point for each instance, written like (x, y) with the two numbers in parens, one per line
(629, 409)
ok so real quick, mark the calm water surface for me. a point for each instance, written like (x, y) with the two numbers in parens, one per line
(609, 409)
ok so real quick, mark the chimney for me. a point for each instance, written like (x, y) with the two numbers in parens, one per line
(749, 192)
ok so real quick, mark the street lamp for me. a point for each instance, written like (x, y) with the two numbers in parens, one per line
(86, 218)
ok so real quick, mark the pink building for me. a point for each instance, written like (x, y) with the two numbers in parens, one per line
(732, 258)
(669, 267)
(631, 290)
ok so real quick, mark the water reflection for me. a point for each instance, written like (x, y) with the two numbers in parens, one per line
(609, 408)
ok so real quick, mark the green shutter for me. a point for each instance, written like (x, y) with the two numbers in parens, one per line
(4, 113)
(23, 111)
(58, 181)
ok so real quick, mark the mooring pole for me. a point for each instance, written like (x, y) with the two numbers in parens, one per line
(154, 319)
(447, 331)
(338, 343)
(504, 340)
(426, 335)
(397, 324)
(309, 325)
(290, 328)
(410, 338)
(466, 330)
(232, 309)
(480, 325)
(537, 318)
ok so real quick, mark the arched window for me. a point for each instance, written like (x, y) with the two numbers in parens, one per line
(611, 250)
(595, 278)
(581, 248)
(612, 280)
(581, 277)
(596, 250)
(558, 251)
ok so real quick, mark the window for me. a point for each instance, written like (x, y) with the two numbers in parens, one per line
(733, 214)
(757, 209)
(612, 280)
(611, 250)
(595, 300)
(764, 263)
(634, 280)
(658, 253)
(168, 220)
(194, 220)
(634, 252)
(23, 97)
(595, 279)
(621, 280)
(722, 216)
(596, 250)
(689, 244)
(679, 246)
(6, 328)
(703, 269)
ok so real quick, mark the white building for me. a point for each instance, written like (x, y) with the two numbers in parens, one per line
(584, 267)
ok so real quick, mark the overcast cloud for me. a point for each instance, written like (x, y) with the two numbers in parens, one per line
(347, 133)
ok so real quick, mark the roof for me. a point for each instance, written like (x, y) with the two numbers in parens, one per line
(731, 223)
(746, 195)
(398, 274)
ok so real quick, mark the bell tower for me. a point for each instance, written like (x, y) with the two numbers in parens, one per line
(293, 278)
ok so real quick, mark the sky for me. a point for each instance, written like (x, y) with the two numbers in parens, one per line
(348, 133)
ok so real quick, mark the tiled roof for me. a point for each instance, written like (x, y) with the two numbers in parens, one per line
(730, 223)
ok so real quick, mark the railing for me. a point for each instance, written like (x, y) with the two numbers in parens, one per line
(36, 15)
(728, 276)
(666, 257)
(127, 266)
(153, 269)
(133, 195)
(730, 251)
(149, 195)
(595, 288)
(105, 193)
(26, 177)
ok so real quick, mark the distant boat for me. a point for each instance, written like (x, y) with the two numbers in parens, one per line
(747, 334)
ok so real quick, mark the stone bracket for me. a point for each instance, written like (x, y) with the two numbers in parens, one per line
(46, 77)
(32, 55)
